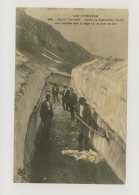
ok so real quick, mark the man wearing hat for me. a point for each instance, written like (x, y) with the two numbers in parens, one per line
(72, 101)
(55, 91)
(83, 111)
(46, 114)
(65, 96)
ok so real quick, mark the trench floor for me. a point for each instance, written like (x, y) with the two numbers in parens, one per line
(50, 166)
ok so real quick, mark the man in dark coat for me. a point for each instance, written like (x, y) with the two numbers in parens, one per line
(46, 114)
(55, 91)
(83, 111)
(65, 96)
(72, 101)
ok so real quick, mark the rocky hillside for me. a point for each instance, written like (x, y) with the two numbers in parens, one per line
(46, 45)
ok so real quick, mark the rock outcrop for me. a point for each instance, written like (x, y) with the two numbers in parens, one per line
(103, 83)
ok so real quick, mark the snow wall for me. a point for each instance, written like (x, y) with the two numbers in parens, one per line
(103, 83)
(30, 91)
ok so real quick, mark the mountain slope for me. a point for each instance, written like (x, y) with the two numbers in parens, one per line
(47, 45)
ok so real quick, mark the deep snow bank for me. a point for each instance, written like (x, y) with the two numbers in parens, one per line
(103, 83)
(32, 84)
(29, 84)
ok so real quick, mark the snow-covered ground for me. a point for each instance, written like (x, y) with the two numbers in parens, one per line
(59, 62)
(51, 53)
(90, 155)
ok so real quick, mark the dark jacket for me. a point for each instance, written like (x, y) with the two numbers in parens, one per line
(66, 96)
(55, 91)
(46, 114)
(72, 99)
(86, 113)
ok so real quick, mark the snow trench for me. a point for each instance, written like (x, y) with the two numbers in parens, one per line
(34, 121)
(27, 122)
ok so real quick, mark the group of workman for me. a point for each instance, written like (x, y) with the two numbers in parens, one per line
(69, 103)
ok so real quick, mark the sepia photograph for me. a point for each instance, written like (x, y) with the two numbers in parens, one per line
(70, 112)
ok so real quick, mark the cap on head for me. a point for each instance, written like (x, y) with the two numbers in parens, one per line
(66, 86)
(82, 100)
(48, 96)
(55, 84)
(71, 89)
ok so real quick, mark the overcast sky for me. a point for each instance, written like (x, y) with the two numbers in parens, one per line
(103, 40)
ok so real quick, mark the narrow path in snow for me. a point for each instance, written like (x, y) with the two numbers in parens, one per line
(50, 165)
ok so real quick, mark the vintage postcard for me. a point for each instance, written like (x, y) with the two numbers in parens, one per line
(70, 96)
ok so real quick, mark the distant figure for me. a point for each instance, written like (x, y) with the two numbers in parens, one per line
(83, 111)
(65, 96)
(46, 114)
(72, 101)
(55, 91)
